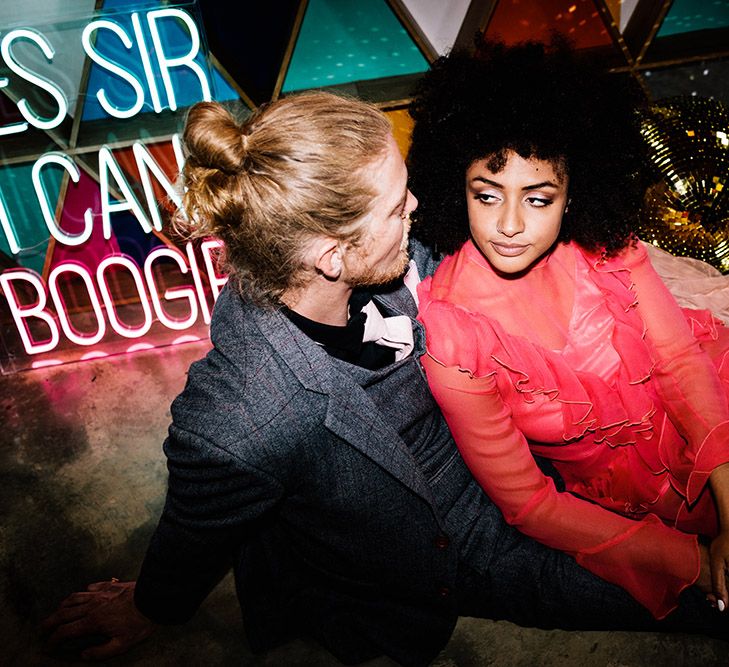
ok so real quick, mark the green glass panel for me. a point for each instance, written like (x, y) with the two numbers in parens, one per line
(350, 40)
(691, 15)
(23, 210)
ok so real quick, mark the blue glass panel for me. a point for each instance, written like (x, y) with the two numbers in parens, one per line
(691, 15)
(222, 90)
(23, 209)
(175, 43)
(132, 239)
(131, 5)
(349, 40)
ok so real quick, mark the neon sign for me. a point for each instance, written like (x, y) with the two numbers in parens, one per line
(97, 287)
(110, 273)
(164, 64)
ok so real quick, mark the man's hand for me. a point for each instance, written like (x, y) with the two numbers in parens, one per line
(106, 609)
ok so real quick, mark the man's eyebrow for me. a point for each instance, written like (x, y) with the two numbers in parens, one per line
(531, 186)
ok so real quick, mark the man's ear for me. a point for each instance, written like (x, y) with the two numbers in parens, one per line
(327, 257)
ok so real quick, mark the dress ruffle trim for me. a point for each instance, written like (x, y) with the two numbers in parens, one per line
(588, 403)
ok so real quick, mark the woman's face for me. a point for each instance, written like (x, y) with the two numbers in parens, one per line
(515, 215)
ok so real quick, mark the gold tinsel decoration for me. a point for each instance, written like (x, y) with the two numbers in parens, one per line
(687, 211)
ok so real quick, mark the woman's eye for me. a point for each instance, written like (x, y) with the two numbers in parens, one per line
(539, 202)
(485, 197)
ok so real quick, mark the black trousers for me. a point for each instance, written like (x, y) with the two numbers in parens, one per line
(531, 585)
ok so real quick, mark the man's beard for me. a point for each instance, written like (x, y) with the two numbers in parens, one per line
(372, 276)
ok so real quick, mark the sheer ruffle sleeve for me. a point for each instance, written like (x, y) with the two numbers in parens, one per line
(653, 562)
(685, 377)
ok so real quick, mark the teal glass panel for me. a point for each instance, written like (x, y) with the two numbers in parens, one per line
(60, 23)
(691, 15)
(23, 210)
(350, 40)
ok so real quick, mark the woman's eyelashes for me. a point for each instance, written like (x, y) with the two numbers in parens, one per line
(540, 202)
(533, 200)
(486, 198)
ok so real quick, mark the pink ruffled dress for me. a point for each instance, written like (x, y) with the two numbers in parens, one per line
(590, 363)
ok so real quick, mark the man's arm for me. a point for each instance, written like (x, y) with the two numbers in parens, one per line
(214, 501)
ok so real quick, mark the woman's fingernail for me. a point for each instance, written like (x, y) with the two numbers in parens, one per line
(720, 604)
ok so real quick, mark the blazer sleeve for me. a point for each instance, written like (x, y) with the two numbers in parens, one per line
(686, 380)
(651, 561)
(214, 501)
(425, 259)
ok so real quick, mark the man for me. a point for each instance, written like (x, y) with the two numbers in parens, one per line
(306, 451)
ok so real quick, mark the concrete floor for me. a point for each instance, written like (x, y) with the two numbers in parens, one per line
(82, 480)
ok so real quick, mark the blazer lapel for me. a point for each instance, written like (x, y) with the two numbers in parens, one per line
(351, 415)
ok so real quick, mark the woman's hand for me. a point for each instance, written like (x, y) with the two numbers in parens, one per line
(719, 549)
(719, 564)
(105, 609)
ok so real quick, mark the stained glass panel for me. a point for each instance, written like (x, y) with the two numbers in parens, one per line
(249, 40)
(65, 68)
(175, 42)
(24, 212)
(621, 11)
(402, 128)
(692, 15)
(440, 21)
(79, 197)
(703, 79)
(518, 20)
(342, 41)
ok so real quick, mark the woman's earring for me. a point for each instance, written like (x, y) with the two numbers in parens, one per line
(567, 206)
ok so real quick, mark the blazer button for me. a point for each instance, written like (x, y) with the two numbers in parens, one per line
(444, 591)
(441, 542)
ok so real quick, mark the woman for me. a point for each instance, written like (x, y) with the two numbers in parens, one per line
(549, 333)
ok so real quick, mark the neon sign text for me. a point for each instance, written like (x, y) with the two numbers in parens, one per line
(105, 311)
(164, 63)
(109, 174)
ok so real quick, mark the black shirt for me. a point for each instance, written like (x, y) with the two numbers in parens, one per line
(346, 342)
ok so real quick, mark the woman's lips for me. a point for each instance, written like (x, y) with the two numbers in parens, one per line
(509, 250)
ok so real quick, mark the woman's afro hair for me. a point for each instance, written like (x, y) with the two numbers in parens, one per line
(543, 101)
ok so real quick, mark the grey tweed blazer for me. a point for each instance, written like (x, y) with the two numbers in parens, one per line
(279, 466)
